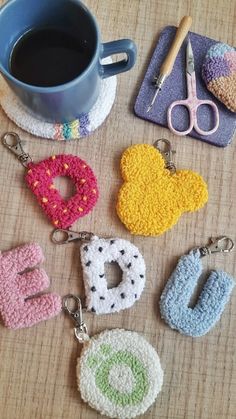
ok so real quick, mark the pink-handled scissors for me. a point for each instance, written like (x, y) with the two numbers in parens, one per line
(192, 103)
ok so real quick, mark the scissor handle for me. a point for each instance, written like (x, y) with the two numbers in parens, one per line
(184, 103)
(215, 113)
(192, 107)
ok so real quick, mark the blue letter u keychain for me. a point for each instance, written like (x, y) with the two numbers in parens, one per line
(215, 294)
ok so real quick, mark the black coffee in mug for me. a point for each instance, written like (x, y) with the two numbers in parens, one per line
(49, 57)
(63, 44)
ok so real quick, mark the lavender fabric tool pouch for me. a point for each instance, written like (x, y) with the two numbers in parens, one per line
(175, 88)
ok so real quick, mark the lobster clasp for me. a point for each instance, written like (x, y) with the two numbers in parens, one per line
(167, 153)
(61, 236)
(81, 331)
(12, 141)
(222, 244)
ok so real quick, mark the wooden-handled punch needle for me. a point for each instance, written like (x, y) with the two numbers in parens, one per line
(167, 65)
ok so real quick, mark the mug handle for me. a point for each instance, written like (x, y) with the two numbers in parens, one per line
(116, 47)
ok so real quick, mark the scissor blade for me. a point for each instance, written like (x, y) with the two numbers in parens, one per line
(189, 58)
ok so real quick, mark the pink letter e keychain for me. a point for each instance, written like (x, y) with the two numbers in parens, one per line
(40, 178)
(118, 373)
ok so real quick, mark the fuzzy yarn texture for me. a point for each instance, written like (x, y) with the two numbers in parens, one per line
(63, 213)
(152, 199)
(219, 74)
(81, 127)
(176, 296)
(94, 255)
(119, 374)
(18, 285)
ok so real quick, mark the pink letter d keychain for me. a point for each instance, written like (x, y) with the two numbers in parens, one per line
(62, 213)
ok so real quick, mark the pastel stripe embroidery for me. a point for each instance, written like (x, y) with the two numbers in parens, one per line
(219, 74)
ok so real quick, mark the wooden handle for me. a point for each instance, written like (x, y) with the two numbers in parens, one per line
(181, 33)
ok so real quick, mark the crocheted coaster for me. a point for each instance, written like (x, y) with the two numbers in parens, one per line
(175, 298)
(69, 131)
(16, 308)
(219, 74)
(119, 374)
(94, 255)
(152, 199)
(63, 213)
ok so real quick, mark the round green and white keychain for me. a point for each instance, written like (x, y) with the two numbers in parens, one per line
(118, 373)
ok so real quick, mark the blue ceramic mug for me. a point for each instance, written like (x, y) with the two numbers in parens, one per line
(65, 102)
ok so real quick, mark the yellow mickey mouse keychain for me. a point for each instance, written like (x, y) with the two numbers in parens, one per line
(154, 194)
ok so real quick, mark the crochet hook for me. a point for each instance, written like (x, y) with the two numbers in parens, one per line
(169, 61)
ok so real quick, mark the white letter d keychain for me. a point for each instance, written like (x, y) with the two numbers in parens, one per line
(118, 373)
(95, 253)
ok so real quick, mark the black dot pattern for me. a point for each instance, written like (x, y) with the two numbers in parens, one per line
(129, 258)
